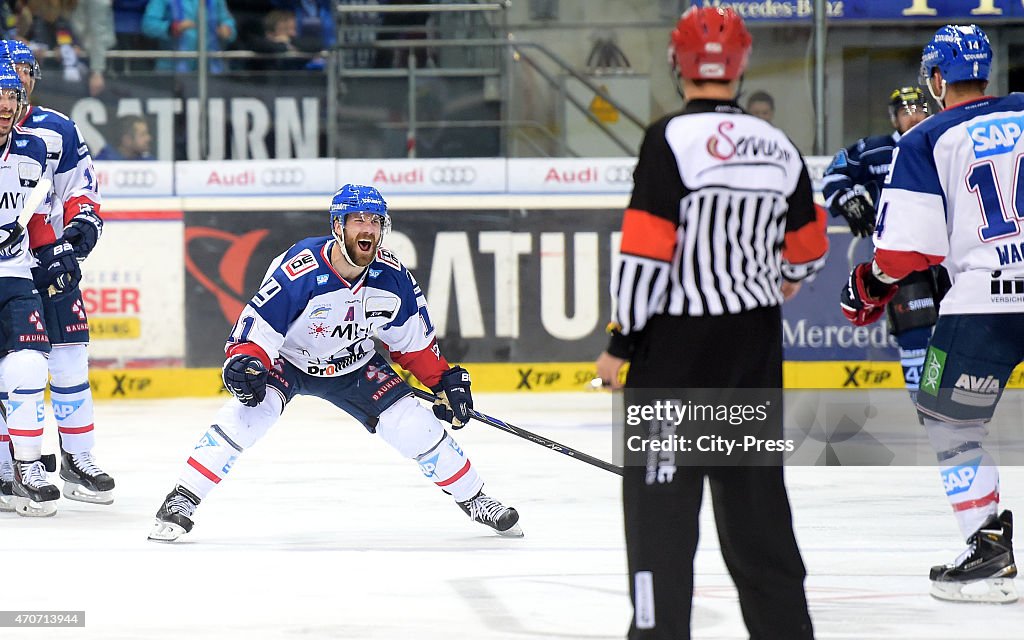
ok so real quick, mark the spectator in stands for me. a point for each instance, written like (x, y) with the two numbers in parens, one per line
(762, 105)
(50, 29)
(314, 23)
(128, 29)
(133, 140)
(279, 30)
(93, 22)
(173, 23)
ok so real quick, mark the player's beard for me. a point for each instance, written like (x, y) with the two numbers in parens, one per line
(358, 254)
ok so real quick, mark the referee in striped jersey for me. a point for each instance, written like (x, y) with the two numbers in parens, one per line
(720, 230)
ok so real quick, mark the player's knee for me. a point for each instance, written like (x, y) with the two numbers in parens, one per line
(69, 364)
(948, 439)
(25, 369)
(246, 425)
(409, 427)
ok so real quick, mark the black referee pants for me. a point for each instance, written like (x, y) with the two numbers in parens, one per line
(751, 508)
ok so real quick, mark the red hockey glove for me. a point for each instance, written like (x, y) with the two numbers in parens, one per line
(864, 297)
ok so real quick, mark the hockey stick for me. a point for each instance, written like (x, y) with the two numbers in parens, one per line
(34, 198)
(527, 435)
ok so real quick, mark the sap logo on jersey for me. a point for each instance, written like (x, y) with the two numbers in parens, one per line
(301, 264)
(993, 137)
(64, 409)
(959, 479)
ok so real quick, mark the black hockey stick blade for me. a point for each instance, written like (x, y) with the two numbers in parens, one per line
(528, 435)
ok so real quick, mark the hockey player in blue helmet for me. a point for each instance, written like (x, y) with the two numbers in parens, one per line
(946, 202)
(309, 330)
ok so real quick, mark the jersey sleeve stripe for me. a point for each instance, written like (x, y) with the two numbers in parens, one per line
(647, 235)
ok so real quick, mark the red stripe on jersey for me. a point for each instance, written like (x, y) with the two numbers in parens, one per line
(426, 365)
(463, 471)
(980, 502)
(24, 433)
(325, 254)
(73, 430)
(72, 209)
(900, 264)
(142, 215)
(4, 438)
(249, 349)
(209, 475)
(647, 235)
(809, 242)
(40, 233)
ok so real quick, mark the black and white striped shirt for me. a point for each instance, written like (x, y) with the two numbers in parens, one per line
(721, 211)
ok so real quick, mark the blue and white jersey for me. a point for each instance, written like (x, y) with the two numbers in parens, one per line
(306, 313)
(69, 165)
(955, 196)
(22, 162)
(865, 163)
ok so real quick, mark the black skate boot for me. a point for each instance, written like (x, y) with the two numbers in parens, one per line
(34, 496)
(985, 571)
(174, 518)
(488, 511)
(6, 486)
(83, 480)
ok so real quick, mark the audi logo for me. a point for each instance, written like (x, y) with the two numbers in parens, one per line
(619, 174)
(453, 175)
(283, 177)
(134, 178)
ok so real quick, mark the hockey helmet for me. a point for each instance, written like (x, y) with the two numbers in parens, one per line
(20, 53)
(9, 81)
(961, 52)
(357, 198)
(709, 43)
(911, 99)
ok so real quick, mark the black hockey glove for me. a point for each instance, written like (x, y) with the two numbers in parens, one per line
(858, 211)
(454, 397)
(58, 271)
(84, 230)
(245, 377)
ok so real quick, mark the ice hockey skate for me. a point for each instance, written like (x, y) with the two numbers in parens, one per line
(488, 511)
(34, 496)
(84, 481)
(984, 572)
(174, 518)
(6, 486)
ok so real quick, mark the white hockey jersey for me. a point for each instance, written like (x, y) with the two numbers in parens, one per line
(306, 313)
(954, 196)
(22, 161)
(69, 166)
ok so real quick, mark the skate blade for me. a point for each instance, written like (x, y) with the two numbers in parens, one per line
(992, 591)
(166, 532)
(33, 509)
(7, 503)
(74, 491)
(515, 531)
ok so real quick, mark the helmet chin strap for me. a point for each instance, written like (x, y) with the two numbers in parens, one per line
(344, 248)
(941, 97)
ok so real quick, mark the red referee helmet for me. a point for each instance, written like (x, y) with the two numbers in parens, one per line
(710, 43)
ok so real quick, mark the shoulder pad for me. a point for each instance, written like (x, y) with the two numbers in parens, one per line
(388, 258)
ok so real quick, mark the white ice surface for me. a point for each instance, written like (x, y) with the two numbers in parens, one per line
(322, 531)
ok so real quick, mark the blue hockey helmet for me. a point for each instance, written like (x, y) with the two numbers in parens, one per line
(9, 81)
(20, 53)
(961, 52)
(357, 198)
